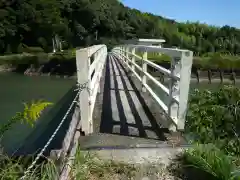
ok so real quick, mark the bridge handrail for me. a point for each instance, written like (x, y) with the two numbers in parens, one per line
(179, 73)
(156, 66)
(90, 73)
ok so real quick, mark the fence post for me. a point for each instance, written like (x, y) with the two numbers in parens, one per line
(133, 58)
(185, 74)
(144, 69)
(83, 77)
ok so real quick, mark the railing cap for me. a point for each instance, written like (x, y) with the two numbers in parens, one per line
(145, 41)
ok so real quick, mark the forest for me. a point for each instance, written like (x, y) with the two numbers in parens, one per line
(33, 23)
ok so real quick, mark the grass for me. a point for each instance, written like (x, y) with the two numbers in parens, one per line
(211, 160)
(205, 161)
(14, 168)
(89, 167)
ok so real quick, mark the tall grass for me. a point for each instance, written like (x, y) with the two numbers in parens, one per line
(208, 158)
(13, 169)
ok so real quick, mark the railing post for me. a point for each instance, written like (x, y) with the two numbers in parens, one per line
(133, 59)
(83, 77)
(180, 67)
(174, 92)
(144, 69)
(126, 53)
(185, 74)
(122, 52)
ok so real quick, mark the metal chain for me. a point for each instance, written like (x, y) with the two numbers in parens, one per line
(80, 87)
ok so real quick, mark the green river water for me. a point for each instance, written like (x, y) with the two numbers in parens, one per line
(16, 89)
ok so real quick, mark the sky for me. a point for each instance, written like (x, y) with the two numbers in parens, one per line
(213, 12)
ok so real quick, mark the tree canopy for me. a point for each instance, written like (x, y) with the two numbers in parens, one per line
(85, 22)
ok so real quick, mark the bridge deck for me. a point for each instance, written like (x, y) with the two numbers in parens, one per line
(123, 109)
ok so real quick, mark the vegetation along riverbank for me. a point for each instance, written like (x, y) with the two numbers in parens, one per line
(59, 63)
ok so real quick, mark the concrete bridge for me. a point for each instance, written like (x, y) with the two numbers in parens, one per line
(117, 105)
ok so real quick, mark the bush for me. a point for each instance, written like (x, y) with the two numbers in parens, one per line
(159, 58)
(67, 55)
(27, 58)
(214, 117)
(16, 59)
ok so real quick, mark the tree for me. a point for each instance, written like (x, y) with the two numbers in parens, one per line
(35, 22)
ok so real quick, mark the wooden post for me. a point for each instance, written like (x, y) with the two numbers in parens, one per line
(84, 77)
(233, 77)
(197, 74)
(144, 69)
(210, 76)
(221, 75)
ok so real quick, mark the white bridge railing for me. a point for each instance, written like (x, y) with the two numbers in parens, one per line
(179, 74)
(90, 64)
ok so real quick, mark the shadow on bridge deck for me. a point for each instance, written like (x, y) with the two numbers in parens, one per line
(123, 108)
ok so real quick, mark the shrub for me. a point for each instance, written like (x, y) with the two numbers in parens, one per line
(66, 55)
(29, 115)
(214, 117)
(16, 59)
(159, 58)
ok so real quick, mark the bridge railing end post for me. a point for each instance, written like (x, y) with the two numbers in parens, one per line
(83, 78)
(184, 86)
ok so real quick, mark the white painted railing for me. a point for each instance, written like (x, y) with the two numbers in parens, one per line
(179, 74)
(90, 64)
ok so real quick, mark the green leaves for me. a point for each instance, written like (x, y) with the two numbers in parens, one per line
(33, 110)
(29, 115)
(215, 118)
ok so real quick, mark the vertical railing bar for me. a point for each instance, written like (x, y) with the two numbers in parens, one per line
(133, 58)
(144, 69)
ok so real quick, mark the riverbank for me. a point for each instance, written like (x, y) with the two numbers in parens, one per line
(35, 64)
(6, 68)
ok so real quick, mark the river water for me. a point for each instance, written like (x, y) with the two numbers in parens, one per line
(16, 89)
